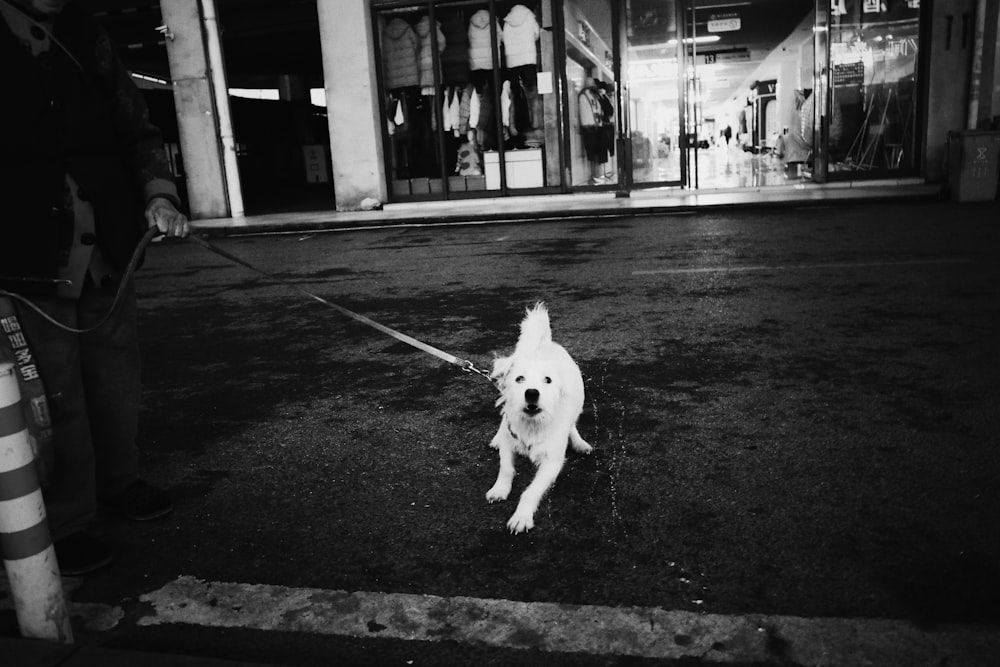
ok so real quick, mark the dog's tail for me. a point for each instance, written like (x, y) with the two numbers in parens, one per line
(535, 328)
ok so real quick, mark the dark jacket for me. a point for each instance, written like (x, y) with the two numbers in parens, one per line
(84, 118)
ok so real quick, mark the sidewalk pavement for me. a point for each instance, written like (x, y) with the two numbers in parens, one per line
(660, 201)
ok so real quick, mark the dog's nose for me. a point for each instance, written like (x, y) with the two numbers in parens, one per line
(531, 395)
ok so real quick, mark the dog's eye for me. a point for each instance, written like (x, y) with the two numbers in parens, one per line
(519, 379)
(548, 380)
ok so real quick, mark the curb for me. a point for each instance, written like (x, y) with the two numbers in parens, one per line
(461, 213)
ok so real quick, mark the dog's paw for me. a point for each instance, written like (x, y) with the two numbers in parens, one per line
(520, 522)
(582, 446)
(498, 492)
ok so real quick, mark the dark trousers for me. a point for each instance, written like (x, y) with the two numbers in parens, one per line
(92, 382)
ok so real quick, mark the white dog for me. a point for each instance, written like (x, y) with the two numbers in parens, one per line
(541, 397)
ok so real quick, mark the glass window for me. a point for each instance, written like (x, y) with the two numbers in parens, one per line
(653, 90)
(468, 98)
(591, 87)
(873, 63)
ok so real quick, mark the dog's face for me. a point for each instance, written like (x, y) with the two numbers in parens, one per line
(531, 388)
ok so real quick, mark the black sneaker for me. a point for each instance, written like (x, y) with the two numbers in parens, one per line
(141, 501)
(81, 553)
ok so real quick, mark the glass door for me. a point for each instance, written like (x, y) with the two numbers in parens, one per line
(748, 87)
(719, 92)
(655, 92)
(591, 118)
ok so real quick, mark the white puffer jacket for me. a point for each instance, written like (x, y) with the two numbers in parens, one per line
(480, 52)
(520, 32)
(399, 55)
(426, 51)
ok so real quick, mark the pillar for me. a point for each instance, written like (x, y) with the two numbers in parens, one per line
(950, 59)
(551, 119)
(352, 103)
(989, 101)
(198, 113)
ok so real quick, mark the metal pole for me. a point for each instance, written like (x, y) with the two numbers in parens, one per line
(217, 70)
(694, 84)
(975, 76)
(28, 556)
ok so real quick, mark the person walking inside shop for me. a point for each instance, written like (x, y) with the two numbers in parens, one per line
(83, 176)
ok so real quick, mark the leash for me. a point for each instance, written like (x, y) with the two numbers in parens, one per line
(465, 364)
(133, 263)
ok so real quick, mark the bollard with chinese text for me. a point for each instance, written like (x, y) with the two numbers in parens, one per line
(25, 543)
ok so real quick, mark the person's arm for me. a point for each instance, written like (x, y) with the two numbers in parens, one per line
(141, 145)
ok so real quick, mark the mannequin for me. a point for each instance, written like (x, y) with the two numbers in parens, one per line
(591, 121)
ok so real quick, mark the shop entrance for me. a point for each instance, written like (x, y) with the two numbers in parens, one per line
(723, 93)
(705, 107)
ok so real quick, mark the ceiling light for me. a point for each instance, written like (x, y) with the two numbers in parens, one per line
(701, 39)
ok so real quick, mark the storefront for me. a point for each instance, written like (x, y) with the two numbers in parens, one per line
(507, 97)
(499, 98)
(870, 74)
(469, 106)
(496, 98)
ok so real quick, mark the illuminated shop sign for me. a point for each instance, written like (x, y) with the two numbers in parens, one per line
(723, 25)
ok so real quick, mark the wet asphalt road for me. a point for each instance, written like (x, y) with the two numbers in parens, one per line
(794, 411)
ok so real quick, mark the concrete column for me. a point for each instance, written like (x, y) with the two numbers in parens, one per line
(550, 101)
(989, 98)
(947, 82)
(196, 116)
(352, 101)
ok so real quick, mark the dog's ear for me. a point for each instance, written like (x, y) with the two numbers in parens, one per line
(501, 367)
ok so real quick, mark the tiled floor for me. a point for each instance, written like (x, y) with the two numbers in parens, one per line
(722, 166)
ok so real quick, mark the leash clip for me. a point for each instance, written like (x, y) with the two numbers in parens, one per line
(469, 367)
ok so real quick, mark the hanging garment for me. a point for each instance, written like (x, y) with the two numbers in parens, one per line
(487, 126)
(522, 115)
(520, 34)
(589, 108)
(445, 115)
(607, 107)
(455, 57)
(426, 60)
(455, 110)
(399, 55)
(474, 108)
(607, 120)
(480, 50)
(465, 106)
(505, 104)
(396, 111)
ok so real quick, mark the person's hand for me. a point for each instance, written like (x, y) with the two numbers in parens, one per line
(162, 214)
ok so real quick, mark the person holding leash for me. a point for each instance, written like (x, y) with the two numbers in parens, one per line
(83, 176)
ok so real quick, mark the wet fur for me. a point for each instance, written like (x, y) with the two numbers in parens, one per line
(541, 398)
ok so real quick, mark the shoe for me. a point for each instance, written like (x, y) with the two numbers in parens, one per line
(81, 553)
(141, 501)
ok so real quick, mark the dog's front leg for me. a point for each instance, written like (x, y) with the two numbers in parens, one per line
(578, 443)
(524, 516)
(501, 489)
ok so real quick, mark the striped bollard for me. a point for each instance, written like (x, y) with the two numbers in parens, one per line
(25, 542)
